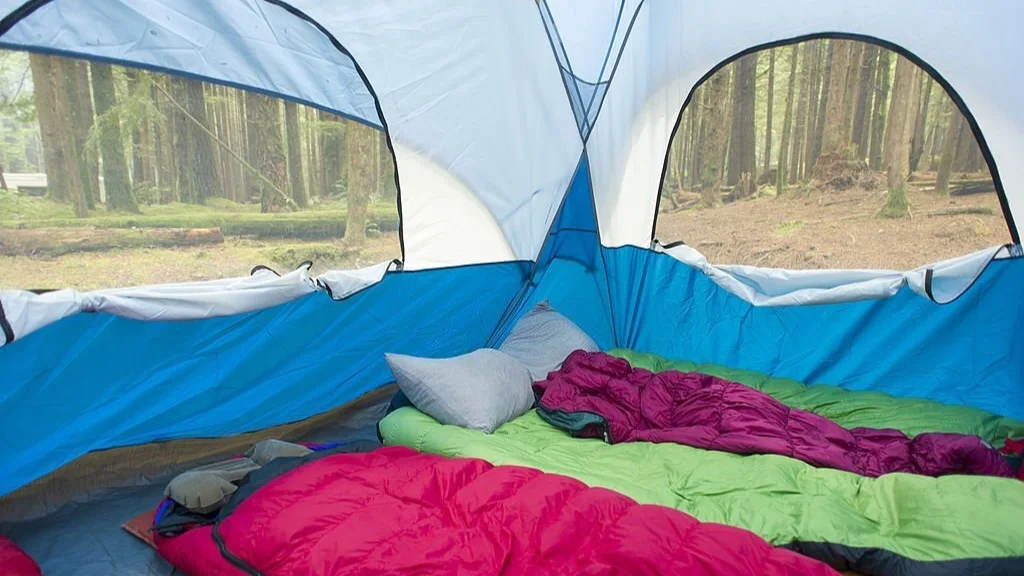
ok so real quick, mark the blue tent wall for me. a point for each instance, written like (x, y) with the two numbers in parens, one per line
(570, 272)
(966, 352)
(95, 381)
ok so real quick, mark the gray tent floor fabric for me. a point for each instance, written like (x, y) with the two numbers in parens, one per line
(86, 538)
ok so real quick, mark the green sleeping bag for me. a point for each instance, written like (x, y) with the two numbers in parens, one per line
(895, 524)
(852, 408)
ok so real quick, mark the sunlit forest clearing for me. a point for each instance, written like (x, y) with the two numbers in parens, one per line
(823, 154)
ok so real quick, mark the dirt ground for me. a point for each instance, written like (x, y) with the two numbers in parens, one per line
(839, 229)
(141, 266)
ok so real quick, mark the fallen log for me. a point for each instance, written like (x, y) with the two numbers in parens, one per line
(53, 242)
(961, 187)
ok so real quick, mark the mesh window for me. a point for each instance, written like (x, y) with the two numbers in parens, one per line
(115, 176)
(827, 154)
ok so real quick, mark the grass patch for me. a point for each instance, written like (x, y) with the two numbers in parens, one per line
(788, 227)
(325, 220)
(16, 206)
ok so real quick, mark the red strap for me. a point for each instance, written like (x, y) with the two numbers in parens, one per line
(1013, 447)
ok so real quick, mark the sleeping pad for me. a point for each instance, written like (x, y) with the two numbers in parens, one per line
(14, 562)
(894, 525)
(594, 394)
(396, 511)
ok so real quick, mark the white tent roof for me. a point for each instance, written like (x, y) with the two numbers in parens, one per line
(472, 95)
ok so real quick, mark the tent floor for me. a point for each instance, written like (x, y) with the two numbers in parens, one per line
(86, 539)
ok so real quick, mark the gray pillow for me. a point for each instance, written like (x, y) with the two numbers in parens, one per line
(480, 390)
(542, 340)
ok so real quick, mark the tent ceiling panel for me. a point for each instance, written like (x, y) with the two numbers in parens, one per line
(592, 33)
(7, 6)
(473, 88)
(248, 43)
(468, 86)
(973, 46)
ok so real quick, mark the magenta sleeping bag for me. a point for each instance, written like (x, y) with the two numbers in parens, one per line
(595, 394)
(14, 562)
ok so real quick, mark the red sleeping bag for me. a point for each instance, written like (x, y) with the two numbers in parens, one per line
(396, 511)
(14, 562)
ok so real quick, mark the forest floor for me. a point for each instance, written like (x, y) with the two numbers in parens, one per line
(839, 229)
(141, 266)
(805, 229)
(280, 241)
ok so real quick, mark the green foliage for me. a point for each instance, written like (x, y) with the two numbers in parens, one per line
(18, 208)
(135, 109)
(327, 220)
(17, 113)
(145, 194)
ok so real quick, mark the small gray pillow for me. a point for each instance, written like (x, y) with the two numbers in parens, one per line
(201, 492)
(480, 390)
(542, 340)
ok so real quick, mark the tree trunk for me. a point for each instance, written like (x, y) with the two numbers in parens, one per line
(810, 154)
(920, 122)
(266, 147)
(878, 111)
(115, 165)
(781, 176)
(185, 153)
(226, 163)
(682, 141)
(834, 135)
(853, 72)
(49, 126)
(206, 176)
(85, 114)
(696, 135)
(335, 160)
(241, 127)
(767, 163)
(819, 122)
(359, 143)
(291, 114)
(898, 133)
(956, 122)
(65, 157)
(147, 149)
(743, 138)
(862, 109)
(931, 141)
(312, 153)
(134, 86)
(166, 174)
(964, 142)
(795, 172)
(913, 103)
(713, 137)
(975, 161)
(80, 106)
